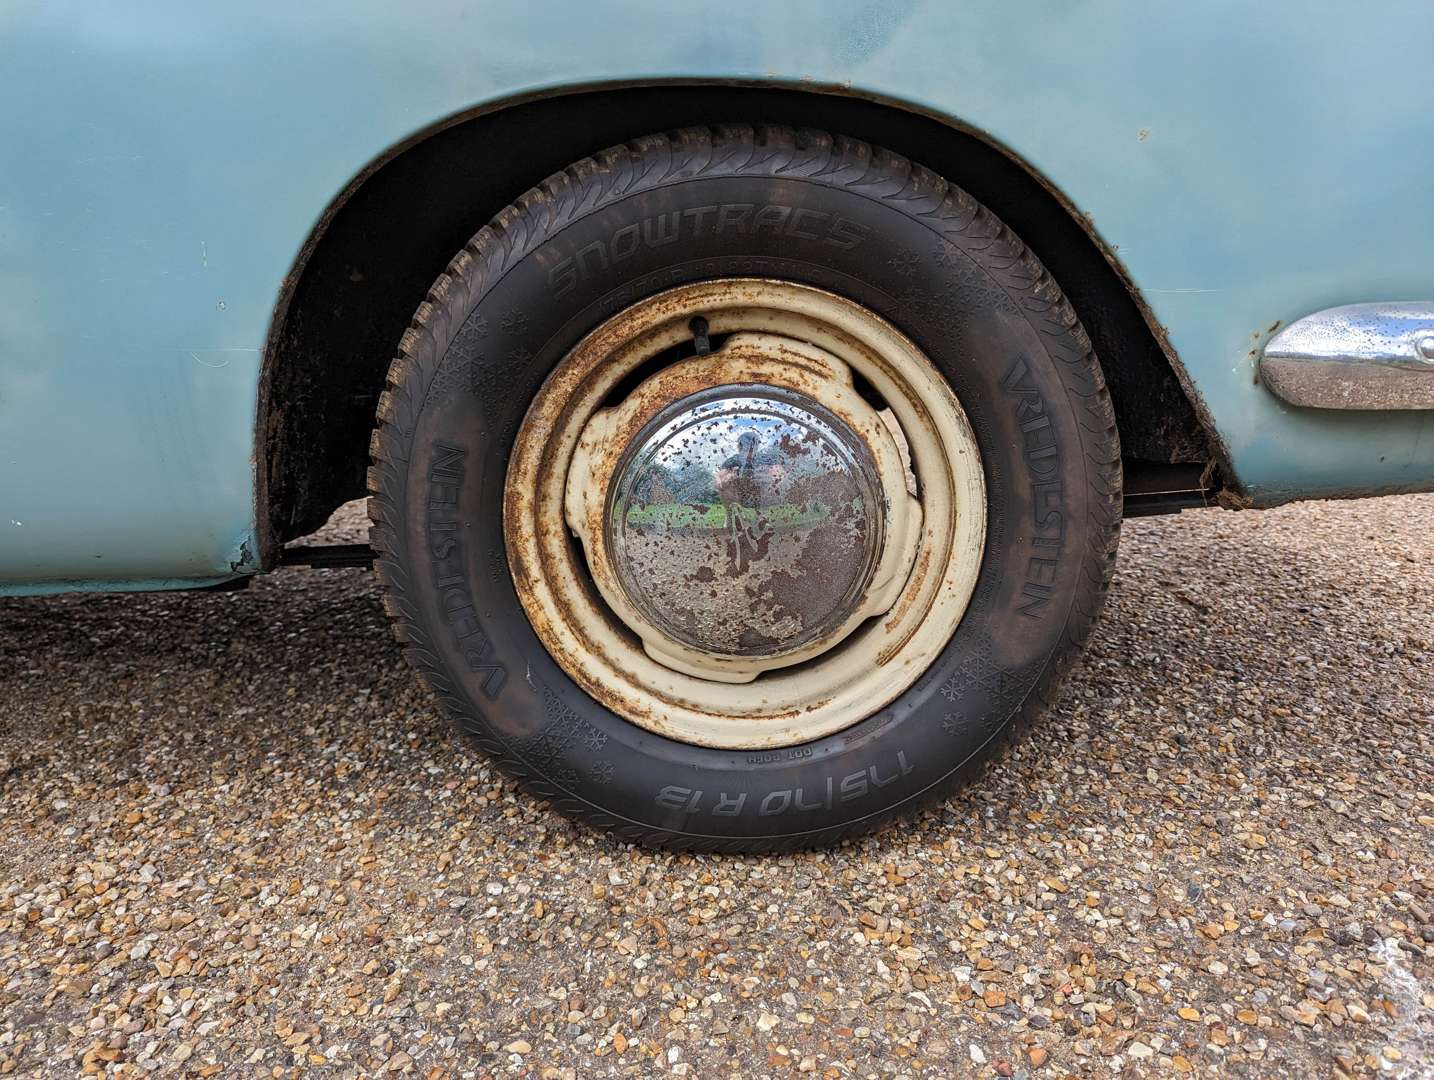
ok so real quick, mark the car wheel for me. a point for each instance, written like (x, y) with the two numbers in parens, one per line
(742, 488)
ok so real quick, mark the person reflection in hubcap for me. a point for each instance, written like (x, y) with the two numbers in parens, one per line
(746, 482)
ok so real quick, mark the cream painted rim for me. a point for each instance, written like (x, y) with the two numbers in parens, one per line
(870, 665)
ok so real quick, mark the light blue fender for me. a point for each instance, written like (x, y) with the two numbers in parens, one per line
(161, 164)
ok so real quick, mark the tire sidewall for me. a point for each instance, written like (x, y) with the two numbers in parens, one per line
(946, 277)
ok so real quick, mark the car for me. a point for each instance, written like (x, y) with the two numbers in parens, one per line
(747, 396)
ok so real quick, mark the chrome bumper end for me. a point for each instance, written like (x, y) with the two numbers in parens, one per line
(1362, 356)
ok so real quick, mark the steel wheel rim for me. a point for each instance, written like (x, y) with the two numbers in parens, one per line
(794, 338)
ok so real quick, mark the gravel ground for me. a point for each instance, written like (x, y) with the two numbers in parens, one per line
(235, 838)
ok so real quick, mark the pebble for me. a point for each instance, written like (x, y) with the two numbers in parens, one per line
(236, 838)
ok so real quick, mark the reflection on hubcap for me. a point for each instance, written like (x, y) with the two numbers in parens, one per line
(746, 521)
(744, 510)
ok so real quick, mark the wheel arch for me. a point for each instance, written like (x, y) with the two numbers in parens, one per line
(367, 264)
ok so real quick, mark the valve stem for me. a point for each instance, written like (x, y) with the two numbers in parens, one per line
(700, 340)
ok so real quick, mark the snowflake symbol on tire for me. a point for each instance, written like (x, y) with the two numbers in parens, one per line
(479, 324)
(905, 262)
(564, 731)
(946, 256)
(951, 724)
(981, 673)
(603, 772)
(911, 296)
(453, 375)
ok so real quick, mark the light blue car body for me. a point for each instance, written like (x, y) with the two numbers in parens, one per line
(161, 165)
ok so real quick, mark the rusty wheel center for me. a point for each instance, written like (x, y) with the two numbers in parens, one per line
(766, 554)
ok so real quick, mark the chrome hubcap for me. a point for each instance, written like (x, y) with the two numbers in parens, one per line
(746, 521)
(744, 510)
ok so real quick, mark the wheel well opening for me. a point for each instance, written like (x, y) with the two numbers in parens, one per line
(373, 258)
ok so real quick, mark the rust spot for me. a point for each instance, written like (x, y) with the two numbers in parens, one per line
(770, 533)
(897, 615)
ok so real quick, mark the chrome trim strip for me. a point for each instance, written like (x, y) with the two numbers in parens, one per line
(1361, 356)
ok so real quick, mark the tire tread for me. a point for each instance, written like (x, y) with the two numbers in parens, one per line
(738, 150)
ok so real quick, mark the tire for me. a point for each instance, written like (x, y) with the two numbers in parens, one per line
(872, 228)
